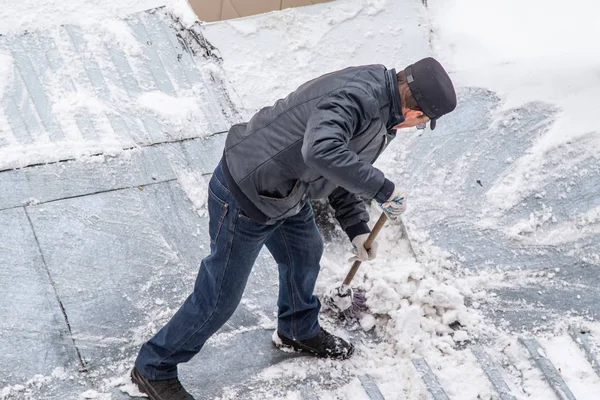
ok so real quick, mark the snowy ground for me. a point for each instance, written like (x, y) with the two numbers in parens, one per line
(503, 217)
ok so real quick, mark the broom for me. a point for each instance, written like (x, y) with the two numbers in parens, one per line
(343, 299)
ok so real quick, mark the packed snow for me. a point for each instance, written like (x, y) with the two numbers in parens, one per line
(422, 302)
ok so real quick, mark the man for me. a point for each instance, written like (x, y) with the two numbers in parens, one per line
(320, 141)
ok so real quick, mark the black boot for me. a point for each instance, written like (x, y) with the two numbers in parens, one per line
(323, 345)
(169, 389)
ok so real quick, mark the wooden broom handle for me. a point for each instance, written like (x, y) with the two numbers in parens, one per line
(368, 244)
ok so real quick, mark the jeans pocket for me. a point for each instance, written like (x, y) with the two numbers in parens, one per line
(217, 210)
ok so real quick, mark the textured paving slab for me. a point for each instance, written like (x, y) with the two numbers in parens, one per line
(231, 363)
(151, 82)
(204, 155)
(34, 338)
(132, 168)
(123, 242)
(530, 306)
(123, 261)
(226, 364)
(113, 257)
(33, 330)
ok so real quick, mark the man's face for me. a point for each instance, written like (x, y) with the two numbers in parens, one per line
(412, 118)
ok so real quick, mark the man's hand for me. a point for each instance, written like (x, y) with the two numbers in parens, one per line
(362, 253)
(395, 205)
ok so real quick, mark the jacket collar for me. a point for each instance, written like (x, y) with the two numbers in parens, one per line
(396, 116)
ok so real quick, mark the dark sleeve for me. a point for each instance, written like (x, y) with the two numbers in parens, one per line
(350, 211)
(329, 130)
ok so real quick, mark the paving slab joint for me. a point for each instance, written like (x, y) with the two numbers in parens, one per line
(82, 363)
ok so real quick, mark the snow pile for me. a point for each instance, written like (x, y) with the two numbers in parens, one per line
(417, 305)
(425, 302)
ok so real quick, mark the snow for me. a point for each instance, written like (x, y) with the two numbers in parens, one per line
(169, 107)
(417, 294)
(581, 226)
(572, 366)
(150, 115)
(290, 56)
(195, 187)
(6, 75)
(21, 15)
(526, 54)
(183, 11)
(508, 48)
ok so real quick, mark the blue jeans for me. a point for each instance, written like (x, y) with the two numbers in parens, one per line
(235, 242)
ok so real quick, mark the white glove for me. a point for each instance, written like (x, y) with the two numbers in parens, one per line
(395, 205)
(362, 253)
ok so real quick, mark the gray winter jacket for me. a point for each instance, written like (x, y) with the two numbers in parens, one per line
(320, 141)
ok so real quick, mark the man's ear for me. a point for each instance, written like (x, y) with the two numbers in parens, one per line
(413, 114)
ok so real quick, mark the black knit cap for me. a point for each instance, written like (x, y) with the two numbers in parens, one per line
(431, 87)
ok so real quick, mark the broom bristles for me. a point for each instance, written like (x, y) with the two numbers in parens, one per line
(358, 307)
(350, 304)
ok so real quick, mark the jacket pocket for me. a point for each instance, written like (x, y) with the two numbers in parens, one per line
(285, 206)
